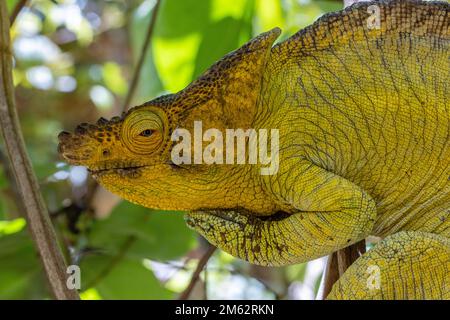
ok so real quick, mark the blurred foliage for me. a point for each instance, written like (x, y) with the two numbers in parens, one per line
(73, 62)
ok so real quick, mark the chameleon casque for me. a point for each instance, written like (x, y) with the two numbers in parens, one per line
(364, 134)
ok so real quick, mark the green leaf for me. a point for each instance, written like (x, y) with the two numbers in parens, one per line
(12, 226)
(210, 50)
(177, 19)
(158, 235)
(269, 14)
(190, 35)
(122, 279)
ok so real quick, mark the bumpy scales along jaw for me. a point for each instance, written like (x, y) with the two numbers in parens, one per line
(92, 145)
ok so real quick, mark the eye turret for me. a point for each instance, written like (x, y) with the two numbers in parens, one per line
(143, 131)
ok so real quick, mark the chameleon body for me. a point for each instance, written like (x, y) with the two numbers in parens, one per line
(364, 149)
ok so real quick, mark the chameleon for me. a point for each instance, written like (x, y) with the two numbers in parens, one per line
(360, 101)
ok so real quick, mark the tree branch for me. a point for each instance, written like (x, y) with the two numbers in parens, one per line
(137, 72)
(38, 220)
(196, 275)
(331, 274)
(339, 261)
(16, 11)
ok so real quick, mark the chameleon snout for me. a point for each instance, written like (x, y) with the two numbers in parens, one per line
(73, 148)
(90, 143)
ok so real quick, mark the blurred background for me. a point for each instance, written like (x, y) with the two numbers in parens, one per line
(74, 60)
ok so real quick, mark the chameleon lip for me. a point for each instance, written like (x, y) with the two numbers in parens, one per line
(127, 170)
(124, 170)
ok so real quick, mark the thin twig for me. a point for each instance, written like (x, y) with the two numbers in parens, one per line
(137, 72)
(339, 262)
(16, 11)
(38, 220)
(196, 275)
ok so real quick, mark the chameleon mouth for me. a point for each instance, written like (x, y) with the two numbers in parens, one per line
(130, 171)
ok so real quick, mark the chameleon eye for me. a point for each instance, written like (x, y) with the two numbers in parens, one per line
(146, 133)
(143, 131)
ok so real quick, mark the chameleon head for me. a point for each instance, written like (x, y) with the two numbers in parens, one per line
(131, 155)
(120, 143)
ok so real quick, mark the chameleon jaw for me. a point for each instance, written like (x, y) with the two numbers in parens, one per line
(131, 172)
